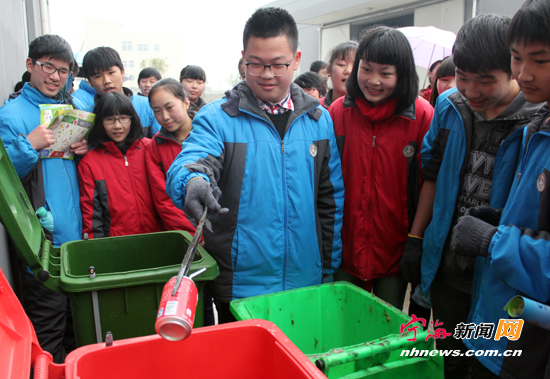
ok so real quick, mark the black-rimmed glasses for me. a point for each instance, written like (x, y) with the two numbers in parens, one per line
(122, 119)
(50, 69)
(277, 69)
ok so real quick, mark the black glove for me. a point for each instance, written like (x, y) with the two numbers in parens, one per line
(472, 236)
(485, 213)
(410, 261)
(197, 192)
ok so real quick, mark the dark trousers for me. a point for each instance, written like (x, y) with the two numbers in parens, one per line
(50, 315)
(224, 314)
(451, 306)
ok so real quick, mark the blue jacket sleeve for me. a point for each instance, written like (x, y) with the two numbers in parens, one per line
(330, 205)
(201, 155)
(20, 150)
(519, 257)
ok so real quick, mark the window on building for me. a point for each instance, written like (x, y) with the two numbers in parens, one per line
(126, 45)
(132, 77)
(143, 47)
(125, 63)
(157, 47)
(131, 64)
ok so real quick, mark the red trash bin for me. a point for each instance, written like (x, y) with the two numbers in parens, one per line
(244, 349)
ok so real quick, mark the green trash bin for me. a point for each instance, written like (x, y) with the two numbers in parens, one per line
(346, 331)
(130, 271)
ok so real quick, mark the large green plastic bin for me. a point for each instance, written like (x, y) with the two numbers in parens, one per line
(131, 271)
(346, 331)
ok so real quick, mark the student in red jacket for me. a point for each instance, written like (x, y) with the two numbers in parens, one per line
(379, 127)
(115, 197)
(171, 108)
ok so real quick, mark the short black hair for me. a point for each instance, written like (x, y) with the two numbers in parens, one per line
(385, 45)
(51, 46)
(271, 22)
(25, 78)
(480, 45)
(530, 24)
(176, 88)
(318, 66)
(193, 72)
(310, 79)
(447, 68)
(112, 104)
(100, 59)
(148, 72)
(434, 65)
(342, 51)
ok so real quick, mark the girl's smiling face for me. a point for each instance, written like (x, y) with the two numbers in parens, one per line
(170, 111)
(376, 81)
(117, 127)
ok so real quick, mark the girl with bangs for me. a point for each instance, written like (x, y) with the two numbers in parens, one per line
(379, 126)
(339, 68)
(115, 197)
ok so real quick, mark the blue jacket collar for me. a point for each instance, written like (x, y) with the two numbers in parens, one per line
(86, 87)
(35, 97)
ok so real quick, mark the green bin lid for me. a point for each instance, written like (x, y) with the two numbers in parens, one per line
(17, 214)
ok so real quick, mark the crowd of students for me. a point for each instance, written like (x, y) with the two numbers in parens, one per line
(448, 195)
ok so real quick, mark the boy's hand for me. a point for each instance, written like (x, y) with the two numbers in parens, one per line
(41, 137)
(197, 192)
(409, 266)
(472, 236)
(79, 148)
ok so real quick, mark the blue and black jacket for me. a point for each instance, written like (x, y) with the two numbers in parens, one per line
(285, 197)
(50, 183)
(519, 260)
(445, 149)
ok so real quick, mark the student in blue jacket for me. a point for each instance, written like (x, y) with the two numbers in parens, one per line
(103, 68)
(51, 183)
(513, 249)
(270, 149)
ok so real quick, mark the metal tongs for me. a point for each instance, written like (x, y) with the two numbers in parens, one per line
(190, 254)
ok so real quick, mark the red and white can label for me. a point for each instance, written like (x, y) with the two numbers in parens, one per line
(177, 313)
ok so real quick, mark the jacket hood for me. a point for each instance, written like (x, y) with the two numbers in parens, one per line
(241, 99)
(86, 87)
(164, 136)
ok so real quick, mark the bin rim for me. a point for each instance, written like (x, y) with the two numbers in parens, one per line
(161, 275)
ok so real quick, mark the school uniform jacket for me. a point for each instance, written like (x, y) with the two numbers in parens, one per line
(285, 197)
(519, 259)
(445, 150)
(84, 95)
(114, 192)
(160, 152)
(381, 168)
(50, 182)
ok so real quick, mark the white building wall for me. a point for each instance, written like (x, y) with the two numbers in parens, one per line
(330, 37)
(310, 51)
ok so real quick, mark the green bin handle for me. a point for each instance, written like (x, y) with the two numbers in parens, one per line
(50, 270)
(378, 352)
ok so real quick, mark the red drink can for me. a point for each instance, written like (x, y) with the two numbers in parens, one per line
(177, 313)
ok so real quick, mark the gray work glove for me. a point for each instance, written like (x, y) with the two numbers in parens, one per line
(485, 213)
(197, 192)
(472, 236)
(409, 266)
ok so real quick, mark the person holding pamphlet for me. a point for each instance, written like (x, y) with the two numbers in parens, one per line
(49, 183)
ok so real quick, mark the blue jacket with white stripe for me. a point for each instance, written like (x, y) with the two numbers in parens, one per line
(285, 197)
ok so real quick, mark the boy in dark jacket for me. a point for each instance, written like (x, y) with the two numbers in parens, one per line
(270, 150)
(513, 250)
(50, 183)
(464, 158)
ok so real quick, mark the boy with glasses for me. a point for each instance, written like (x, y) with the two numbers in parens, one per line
(103, 68)
(265, 161)
(49, 183)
